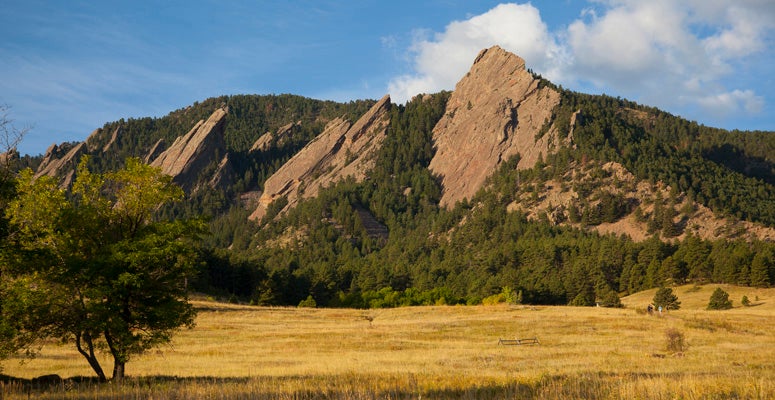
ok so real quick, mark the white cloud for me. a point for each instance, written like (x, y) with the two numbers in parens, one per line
(677, 55)
(736, 101)
(517, 28)
(672, 54)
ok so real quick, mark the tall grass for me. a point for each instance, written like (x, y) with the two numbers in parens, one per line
(240, 352)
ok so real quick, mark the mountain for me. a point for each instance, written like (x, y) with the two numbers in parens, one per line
(493, 114)
(509, 181)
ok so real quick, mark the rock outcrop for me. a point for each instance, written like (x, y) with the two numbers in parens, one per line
(496, 111)
(280, 137)
(192, 152)
(342, 150)
(112, 140)
(61, 161)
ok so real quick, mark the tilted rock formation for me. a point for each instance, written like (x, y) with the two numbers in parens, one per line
(495, 112)
(279, 137)
(155, 152)
(192, 152)
(222, 175)
(342, 150)
(59, 160)
(112, 140)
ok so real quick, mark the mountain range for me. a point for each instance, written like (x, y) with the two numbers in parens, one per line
(401, 196)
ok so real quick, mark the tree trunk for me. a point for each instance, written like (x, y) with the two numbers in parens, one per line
(119, 362)
(80, 339)
(118, 370)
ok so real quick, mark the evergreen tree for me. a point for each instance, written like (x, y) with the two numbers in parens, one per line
(762, 262)
(719, 300)
(666, 299)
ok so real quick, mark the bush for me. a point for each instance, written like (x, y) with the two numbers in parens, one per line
(674, 341)
(507, 295)
(309, 302)
(745, 302)
(719, 300)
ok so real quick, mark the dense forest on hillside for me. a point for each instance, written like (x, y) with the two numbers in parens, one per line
(480, 249)
(321, 250)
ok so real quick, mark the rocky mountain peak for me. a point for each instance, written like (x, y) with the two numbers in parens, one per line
(495, 113)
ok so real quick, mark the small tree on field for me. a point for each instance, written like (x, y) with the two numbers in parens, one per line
(719, 300)
(94, 268)
(666, 299)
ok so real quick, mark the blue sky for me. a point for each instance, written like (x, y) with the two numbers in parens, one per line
(68, 67)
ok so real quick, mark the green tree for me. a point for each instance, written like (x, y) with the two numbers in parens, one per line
(111, 277)
(666, 299)
(11, 337)
(719, 300)
(763, 261)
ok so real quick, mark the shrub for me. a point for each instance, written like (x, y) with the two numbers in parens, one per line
(309, 302)
(507, 295)
(719, 300)
(674, 341)
(745, 301)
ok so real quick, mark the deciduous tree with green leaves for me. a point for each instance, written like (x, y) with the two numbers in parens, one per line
(11, 339)
(109, 276)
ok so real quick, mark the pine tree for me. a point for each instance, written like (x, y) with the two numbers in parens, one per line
(719, 300)
(666, 299)
(759, 275)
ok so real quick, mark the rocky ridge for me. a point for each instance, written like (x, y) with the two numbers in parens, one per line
(342, 150)
(60, 159)
(190, 153)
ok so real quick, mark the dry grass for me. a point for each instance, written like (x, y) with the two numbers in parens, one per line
(444, 352)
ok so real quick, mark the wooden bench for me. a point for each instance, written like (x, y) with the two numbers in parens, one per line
(518, 342)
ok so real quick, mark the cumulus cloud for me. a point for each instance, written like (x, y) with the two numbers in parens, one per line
(440, 59)
(672, 54)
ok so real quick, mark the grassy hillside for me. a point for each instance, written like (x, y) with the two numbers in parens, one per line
(446, 352)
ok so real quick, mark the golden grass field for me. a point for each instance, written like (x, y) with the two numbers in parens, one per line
(442, 352)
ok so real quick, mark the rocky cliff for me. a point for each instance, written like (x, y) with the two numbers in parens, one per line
(495, 112)
(341, 150)
(192, 152)
(61, 161)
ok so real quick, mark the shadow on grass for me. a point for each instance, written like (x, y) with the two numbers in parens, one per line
(286, 387)
(588, 386)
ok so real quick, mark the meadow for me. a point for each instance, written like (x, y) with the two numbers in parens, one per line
(237, 352)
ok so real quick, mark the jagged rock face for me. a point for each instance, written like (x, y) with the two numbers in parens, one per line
(495, 112)
(190, 153)
(58, 160)
(342, 150)
(279, 137)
